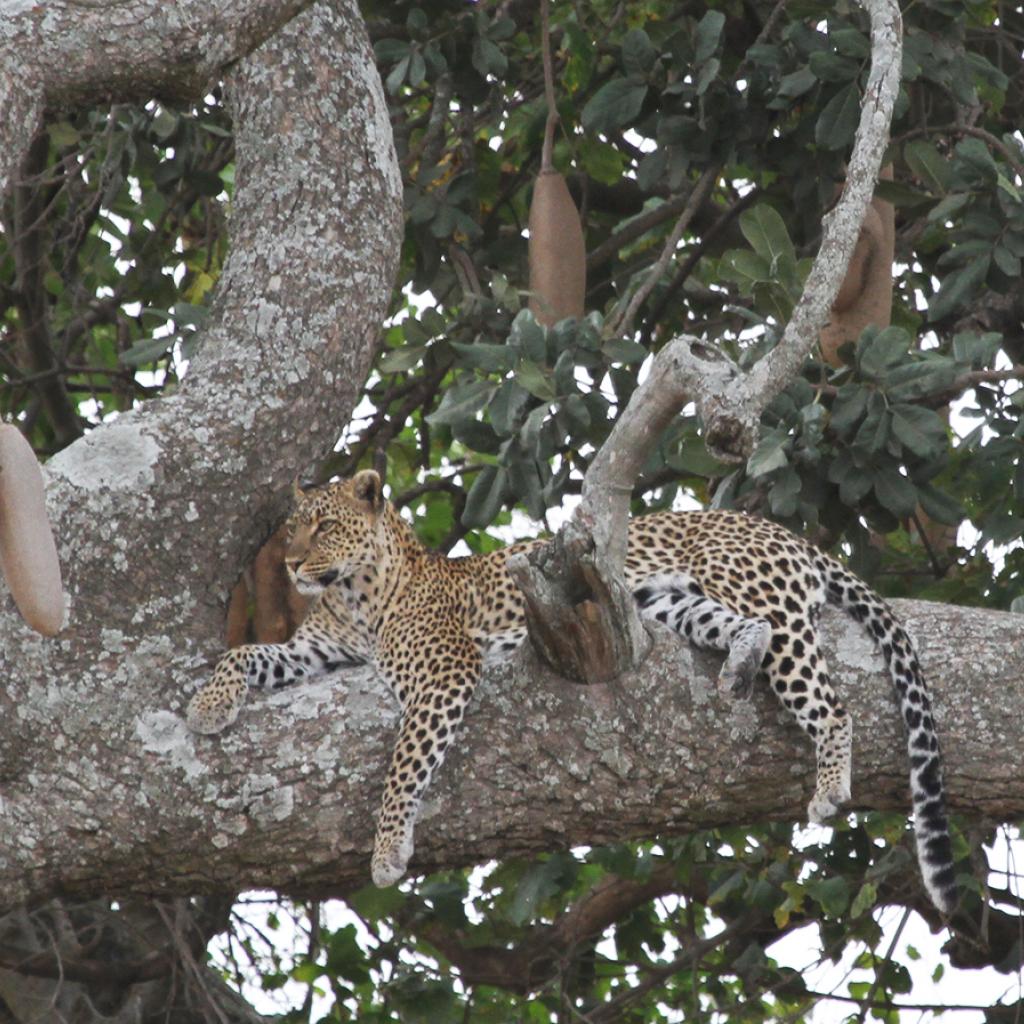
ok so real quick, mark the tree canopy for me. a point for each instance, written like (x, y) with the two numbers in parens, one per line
(704, 145)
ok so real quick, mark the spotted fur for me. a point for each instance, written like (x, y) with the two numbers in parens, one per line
(427, 624)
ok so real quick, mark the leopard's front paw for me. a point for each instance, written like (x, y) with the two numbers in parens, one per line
(207, 716)
(217, 704)
(390, 859)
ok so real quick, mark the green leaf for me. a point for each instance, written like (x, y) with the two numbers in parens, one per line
(770, 453)
(746, 268)
(528, 336)
(733, 882)
(853, 482)
(928, 164)
(576, 409)
(793, 85)
(949, 207)
(537, 883)
(529, 433)
(146, 351)
(865, 899)
(525, 483)
(973, 157)
(709, 31)
(507, 407)
(462, 402)
(850, 42)
(838, 120)
(398, 360)
(530, 376)
(707, 74)
(940, 506)
(977, 350)
(375, 904)
(485, 497)
(622, 350)
(615, 105)
(830, 67)
(895, 492)
(879, 351)
(957, 287)
(784, 496)
(847, 409)
(487, 58)
(638, 54)
(873, 432)
(765, 230)
(477, 436)
(481, 356)
(693, 458)
(389, 51)
(833, 894)
(397, 76)
(417, 69)
(601, 161)
(63, 134)
(929, 376)
(1006, 261)
(921, 431)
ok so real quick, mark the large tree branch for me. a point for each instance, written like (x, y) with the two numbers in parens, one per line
(287, 798)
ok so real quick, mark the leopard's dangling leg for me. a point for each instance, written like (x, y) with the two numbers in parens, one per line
(798, 674)
(434, 672)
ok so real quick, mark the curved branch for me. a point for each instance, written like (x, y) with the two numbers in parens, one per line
(67, 53)
(842, 224)
(156, 512)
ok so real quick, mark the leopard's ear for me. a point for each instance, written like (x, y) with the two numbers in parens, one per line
(367, 487)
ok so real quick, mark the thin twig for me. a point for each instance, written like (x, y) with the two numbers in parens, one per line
(622, 325)
(869, 998)
(549, 90)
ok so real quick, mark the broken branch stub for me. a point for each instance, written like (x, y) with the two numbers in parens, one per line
(580, 614)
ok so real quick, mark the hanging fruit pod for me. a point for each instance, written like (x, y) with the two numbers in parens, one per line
(558, 258)
(28, 554)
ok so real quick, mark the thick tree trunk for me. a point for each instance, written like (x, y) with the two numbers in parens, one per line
(156, 513)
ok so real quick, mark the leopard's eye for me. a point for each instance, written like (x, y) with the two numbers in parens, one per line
(326, 525)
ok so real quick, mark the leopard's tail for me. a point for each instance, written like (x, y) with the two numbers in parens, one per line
(931, 825)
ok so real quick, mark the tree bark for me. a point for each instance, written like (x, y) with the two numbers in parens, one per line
(287, 798)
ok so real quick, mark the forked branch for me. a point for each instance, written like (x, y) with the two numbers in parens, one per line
(592, 545)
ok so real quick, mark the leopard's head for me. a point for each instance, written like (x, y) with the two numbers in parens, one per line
(334, 532)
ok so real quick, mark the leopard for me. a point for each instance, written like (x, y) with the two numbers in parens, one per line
(428, 624)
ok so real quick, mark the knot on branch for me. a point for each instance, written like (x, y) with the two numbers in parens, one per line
(581, 616)
(729, 434)
(715, 381)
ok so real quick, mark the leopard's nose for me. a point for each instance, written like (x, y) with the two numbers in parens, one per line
(293, 565)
